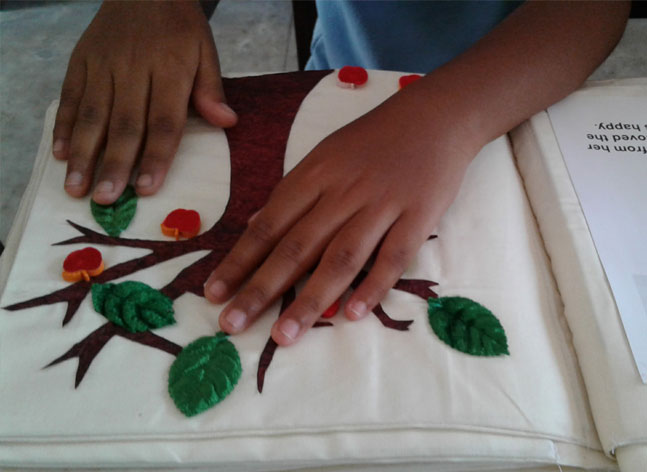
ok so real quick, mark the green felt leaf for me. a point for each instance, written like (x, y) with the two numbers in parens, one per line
(204, 373)
(467, 326)
(116, 217)
(134, 306)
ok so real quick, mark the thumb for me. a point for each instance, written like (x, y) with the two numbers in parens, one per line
(208, 95)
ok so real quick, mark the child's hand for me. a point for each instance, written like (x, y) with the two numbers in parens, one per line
(128, 85)
(384, 180)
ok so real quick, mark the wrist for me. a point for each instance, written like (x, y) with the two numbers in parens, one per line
(441, 114)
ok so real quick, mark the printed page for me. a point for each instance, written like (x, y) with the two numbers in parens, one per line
(604, 143)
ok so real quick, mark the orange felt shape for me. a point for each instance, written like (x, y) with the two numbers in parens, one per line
(82, 264)
(351, 77)
(181, 222)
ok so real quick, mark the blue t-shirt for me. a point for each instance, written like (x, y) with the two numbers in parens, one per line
(413, 36)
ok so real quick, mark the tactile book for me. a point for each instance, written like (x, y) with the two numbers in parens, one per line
(500, 348)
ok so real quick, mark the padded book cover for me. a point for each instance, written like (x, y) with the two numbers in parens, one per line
(128, 369)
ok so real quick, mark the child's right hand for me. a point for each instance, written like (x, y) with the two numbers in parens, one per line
(127, 86)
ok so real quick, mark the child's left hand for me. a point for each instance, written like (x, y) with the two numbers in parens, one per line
(382, 181)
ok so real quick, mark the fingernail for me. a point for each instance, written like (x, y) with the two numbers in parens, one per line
(290, 328)
(236, 319)
(145, 180)
(74, 179)
(217, 289)
(227, 109)
(59, 145)
(104, 187)
(358, 310)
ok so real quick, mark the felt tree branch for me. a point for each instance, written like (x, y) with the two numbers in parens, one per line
(192, 278)
(257, 147)
(93, 237)
(74, 294)
(266, 106)
(419, 287)
(87, 349)
(270, 346)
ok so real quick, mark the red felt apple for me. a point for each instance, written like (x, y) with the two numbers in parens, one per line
(181, 222)
(351, 77)
(82, 264)
(332, 309)
(408, 79)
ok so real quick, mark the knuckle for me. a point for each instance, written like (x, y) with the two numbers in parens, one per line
(90, 115)
(342, 261)
(177, 62)
(164, 125)
(376, 289)
(291, 250)
(256, 296)
(278, 191)
(315, 172)
(116, 166)
(155, 160)
(260, 231)
(69, 97)
(285, 189)
(397, 259)
(233, 267)
(62, 127)
(311, 304)
(125, 126)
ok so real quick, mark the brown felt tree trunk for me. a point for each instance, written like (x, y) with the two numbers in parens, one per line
(266, 106)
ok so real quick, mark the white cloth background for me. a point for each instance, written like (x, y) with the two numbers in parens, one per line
(355, 394)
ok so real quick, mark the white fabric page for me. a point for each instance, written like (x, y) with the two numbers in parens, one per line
(355, 393)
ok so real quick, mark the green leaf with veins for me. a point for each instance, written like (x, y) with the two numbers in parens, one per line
(116, 217)
(204, 373)
(467, 326)
(132, 305)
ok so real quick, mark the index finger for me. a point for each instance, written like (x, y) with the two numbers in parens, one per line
(166, 119)
(68, 106)
(341, 262)
(287, 204)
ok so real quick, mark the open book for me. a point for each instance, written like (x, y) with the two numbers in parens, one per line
(127, 368)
